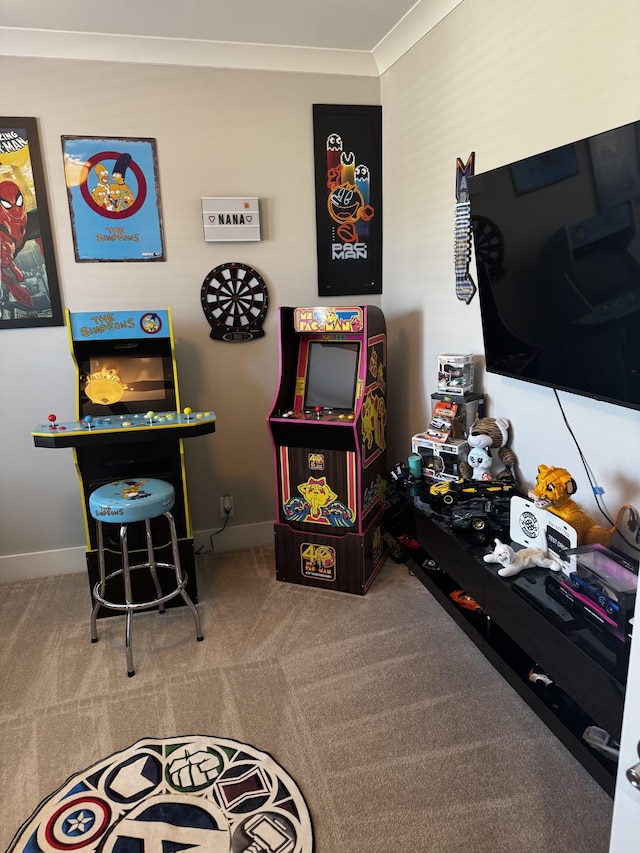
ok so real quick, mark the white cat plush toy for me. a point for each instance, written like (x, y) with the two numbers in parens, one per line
(480, 460)
(513, 562)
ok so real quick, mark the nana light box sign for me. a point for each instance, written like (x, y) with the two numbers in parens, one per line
(230, 219)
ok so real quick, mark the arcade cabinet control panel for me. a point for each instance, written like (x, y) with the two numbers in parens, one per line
(318, 413)
(115, 428)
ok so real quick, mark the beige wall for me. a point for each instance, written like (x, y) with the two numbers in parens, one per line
(506, 80)
(218, 133)
(503, 79)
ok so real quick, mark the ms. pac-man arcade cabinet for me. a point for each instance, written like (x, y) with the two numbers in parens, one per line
(328, 427)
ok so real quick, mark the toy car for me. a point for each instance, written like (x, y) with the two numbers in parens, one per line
(482, 514)
(537, 675)
(449, 492)
(460, 597)
(596, 592)
(440, 423)
(399, 472)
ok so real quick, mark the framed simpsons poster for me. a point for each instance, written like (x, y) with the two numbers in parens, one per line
(348, 179)
(114, 198)
(29, 294)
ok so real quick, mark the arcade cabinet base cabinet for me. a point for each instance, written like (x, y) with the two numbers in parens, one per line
(328, 429)
(345, 563)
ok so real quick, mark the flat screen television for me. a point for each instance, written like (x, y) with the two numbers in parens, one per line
(332, 375)
(557, 248)
(125, 378)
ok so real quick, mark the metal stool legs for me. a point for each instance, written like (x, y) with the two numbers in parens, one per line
(181, 577)
(129, 606)
(101, 585)
(152, 562)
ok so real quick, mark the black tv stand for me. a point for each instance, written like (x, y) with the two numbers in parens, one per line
(521, 626)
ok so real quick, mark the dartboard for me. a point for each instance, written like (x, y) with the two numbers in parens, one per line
(489, 245)
(234, 300)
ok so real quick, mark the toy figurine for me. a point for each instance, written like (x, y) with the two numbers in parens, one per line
(481, 461)
(488, 434)
(513, 562)
(553, 490)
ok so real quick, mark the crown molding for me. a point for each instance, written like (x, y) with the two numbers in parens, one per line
(152, 50)
(52, 44)
(414, 26)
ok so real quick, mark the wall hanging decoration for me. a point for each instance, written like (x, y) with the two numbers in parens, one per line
(231, 220)
(465, 286)
(348, 175)
(114, 198)
(29, 294)
(234, 300)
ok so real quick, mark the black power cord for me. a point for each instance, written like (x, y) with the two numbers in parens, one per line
(215, 533)
(598, 491)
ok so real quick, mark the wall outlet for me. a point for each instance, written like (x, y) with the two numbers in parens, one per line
(226, 506)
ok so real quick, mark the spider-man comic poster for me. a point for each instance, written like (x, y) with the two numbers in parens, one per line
(348, 176)
(29, 294)
(114, 198)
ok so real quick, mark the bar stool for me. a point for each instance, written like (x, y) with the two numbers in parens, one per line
(126, 502)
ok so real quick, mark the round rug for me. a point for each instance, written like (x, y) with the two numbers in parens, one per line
(196, 792)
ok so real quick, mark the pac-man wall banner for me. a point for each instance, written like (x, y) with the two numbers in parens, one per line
(348, 173)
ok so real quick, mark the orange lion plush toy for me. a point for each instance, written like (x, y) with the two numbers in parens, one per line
(553, 490)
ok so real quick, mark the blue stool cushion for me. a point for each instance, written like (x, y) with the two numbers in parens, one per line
(126, 501)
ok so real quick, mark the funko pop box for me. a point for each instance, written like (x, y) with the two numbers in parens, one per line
(455, 373)
(440, 460)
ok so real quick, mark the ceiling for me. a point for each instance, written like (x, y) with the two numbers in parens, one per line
(335, 36)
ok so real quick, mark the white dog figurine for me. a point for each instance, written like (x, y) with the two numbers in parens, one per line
(513, 562)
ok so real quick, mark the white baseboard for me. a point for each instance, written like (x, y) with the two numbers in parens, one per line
(41, 564)
(66, 561)
(234, 538)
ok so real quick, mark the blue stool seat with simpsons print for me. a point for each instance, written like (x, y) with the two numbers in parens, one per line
(127, 502)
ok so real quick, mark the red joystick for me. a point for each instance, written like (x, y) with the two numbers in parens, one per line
(318, 410)
(52, 422)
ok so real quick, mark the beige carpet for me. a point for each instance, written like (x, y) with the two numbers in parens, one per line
(399, 733)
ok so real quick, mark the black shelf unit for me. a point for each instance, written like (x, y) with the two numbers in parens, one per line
(521, 626)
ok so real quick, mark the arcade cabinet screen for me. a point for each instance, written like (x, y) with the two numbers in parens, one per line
(117, 384)
(332, 375)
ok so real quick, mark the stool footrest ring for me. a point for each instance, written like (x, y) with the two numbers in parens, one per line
(142, 605)
(156, 500)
